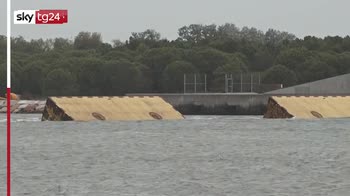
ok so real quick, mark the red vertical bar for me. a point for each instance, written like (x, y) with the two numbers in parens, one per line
(8, 141)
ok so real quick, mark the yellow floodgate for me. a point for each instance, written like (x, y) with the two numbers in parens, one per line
(108, 108)
(308, 107)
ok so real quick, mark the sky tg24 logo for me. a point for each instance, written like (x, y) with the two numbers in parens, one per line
(40, 16)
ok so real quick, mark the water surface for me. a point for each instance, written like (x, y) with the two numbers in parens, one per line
(202, 155)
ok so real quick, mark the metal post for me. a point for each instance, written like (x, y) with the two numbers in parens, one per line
(231, 83)
(241, 82)
(205, 83)
(251, 82)
(195, 83)
(8, 101)
(226, 86)
(184, 83)
(260, 89)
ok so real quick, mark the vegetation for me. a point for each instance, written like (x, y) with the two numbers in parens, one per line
(148, 63)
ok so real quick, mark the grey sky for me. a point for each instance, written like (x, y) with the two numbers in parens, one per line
(118, 18)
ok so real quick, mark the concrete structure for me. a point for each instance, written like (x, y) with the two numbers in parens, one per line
(339, 85)
(308, 107)
(108, 108)
(251, 103)
(23, 106)
(216, 103)
(222, 103)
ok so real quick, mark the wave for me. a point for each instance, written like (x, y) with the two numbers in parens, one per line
(21, 120)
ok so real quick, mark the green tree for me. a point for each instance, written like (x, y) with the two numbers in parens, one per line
(3, 45)
(120, 77)
(262, 60)
(62, 44)
(274, 37)
(146, 62)
(228, 30)
(90, 77)
(157, 59)
(32, 77)
(294, 58)
(16, 77)
(60, 82)
(343, 63)
(279, 74)
(207, 60)
(119, 55)
(87, 40)
(149, 38)
(173, 76)
(2, 79)
(235, 64)
(316, 69)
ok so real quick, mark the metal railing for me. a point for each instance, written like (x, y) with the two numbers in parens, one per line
(227, 83)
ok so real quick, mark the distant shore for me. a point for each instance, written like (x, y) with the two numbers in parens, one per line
(23, 106)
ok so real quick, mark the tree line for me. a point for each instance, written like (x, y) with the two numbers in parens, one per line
(146, 62)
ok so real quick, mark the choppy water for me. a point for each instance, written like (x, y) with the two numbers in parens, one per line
(198, 156)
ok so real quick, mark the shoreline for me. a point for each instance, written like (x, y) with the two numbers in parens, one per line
(24, 106)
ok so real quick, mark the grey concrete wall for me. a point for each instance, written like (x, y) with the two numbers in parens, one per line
(216, 104)
(212, 100)
(339, 85)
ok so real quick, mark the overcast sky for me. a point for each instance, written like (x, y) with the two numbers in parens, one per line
(116, 19)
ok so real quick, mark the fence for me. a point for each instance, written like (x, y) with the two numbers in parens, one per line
(227, 83)
(195, 83)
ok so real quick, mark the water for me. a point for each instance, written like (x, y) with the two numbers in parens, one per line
(198, 156)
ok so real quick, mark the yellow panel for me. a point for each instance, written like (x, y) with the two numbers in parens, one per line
(115, 108)
(328, 107)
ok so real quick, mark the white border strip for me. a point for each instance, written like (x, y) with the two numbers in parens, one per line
(9, 44)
